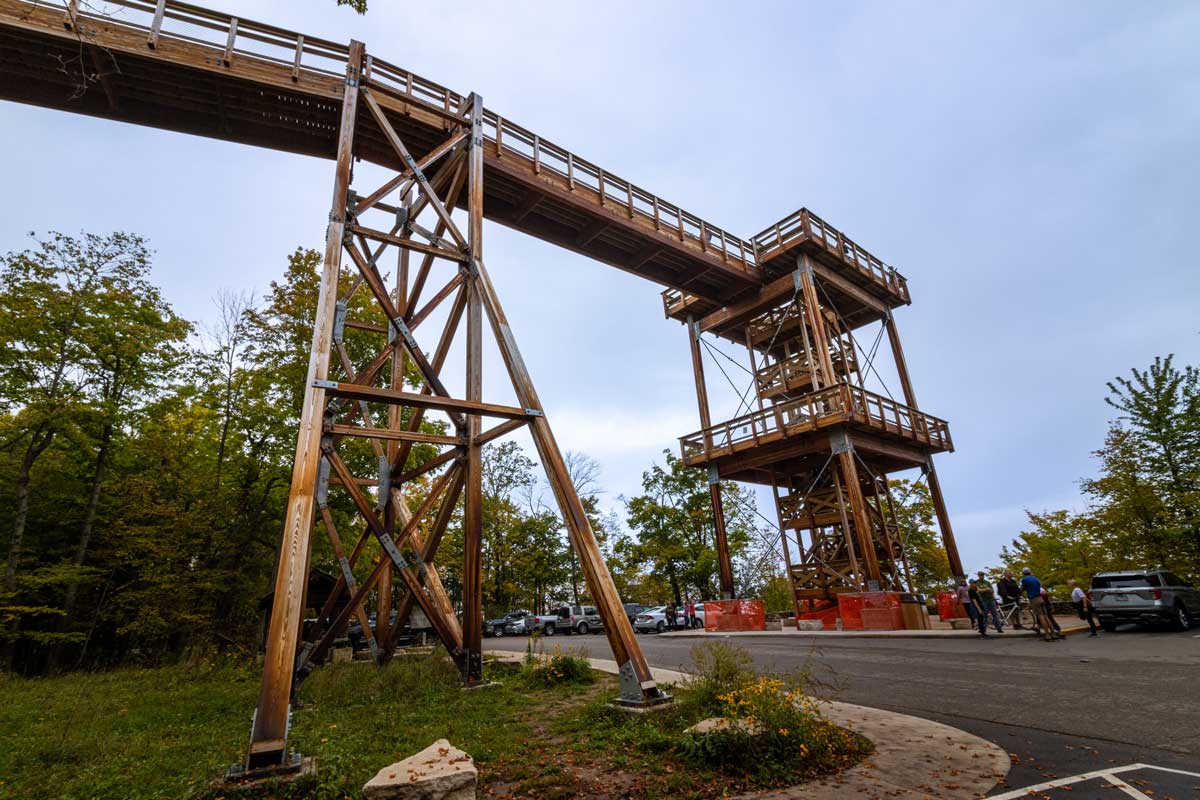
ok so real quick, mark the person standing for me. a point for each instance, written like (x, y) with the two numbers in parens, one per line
(1010, 595)
(967, 602)
(691, 614)
(1083, 606)
(1032, 588)
(977, 603)
(987, 604)
(672, 617)
(1048, 604)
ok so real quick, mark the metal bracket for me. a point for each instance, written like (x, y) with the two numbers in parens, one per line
(347, 574)
(402, 214)
(695, 328)
(802, 267)
(713, 478)
(405, 333)
(534, 412)
(374, 649)
(322, 492)
(325, 384)
(839, 442)
(631, 689)
(390, 548)
(385, 484)
(351, 81)
(339, 321)
(422, 570)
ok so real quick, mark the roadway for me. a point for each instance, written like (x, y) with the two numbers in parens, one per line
(1061, 709)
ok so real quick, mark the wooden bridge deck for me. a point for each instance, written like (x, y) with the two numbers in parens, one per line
(181, 67)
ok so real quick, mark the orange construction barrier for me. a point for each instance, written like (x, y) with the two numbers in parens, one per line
(850, 606)
(734, 615)
(871, 611)
(826, 611)
(948, 606)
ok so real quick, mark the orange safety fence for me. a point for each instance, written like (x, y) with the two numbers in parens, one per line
(850, 605)
(871, 611)
(827, 613)
(734, 615)
(948, 606)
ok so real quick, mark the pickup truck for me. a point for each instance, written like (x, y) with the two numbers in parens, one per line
(565, 620)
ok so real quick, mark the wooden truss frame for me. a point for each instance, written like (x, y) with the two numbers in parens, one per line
(448, 177)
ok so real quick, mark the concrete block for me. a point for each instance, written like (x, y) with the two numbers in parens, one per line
(773, 625)
(439, 772)
(343, 654)
(812, 625)
(961, 624)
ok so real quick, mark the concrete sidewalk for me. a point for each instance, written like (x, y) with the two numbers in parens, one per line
(942, 630)
(914, 758)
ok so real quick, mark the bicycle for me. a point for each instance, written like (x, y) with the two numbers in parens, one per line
(1018, 614)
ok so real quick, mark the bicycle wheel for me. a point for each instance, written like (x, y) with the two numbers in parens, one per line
(1025, 615)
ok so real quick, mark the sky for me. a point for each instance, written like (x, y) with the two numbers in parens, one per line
(1029, 167)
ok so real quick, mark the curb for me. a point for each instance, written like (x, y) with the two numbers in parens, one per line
(968, 634)
(914, 758)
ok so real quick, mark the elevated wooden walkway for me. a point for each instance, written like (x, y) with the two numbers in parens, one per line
(181, 67)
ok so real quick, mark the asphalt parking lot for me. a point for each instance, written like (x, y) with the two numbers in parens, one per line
(1127, 703)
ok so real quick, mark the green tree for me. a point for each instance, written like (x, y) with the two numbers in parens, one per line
(928, 565)
(676, 531)
(1161, 454)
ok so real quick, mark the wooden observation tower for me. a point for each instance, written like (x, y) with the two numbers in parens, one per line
(815, 434)
(416, 170)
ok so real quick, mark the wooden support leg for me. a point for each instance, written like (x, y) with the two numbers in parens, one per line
(861, 518)
(473, 514)
(943, 518)
(637, 684)
(724, 564)
(268, 739)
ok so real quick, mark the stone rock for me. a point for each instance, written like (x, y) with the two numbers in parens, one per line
(715, 724)
(439, 772)
(812, 625)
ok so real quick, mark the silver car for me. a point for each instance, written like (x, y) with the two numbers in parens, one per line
(1147, 596)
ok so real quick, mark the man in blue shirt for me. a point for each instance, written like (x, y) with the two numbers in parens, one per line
(1032, 588)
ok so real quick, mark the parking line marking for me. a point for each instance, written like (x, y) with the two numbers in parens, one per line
(1113, 780)
(1109, 774)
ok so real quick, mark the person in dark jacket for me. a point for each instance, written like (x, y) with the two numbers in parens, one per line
(980, 611)
(1010, 594)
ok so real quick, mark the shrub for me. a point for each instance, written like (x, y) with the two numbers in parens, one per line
(772, 726)
(718, 669)
(559, 668)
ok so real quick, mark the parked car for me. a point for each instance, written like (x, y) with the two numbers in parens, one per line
(655, 619)
(1147, 596)
(496, 627)
(358, 639)
(633, 609)
(575, 619)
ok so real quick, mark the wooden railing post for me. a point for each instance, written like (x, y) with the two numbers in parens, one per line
(156, 25)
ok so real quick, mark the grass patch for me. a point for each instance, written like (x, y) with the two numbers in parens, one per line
(154, 733)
